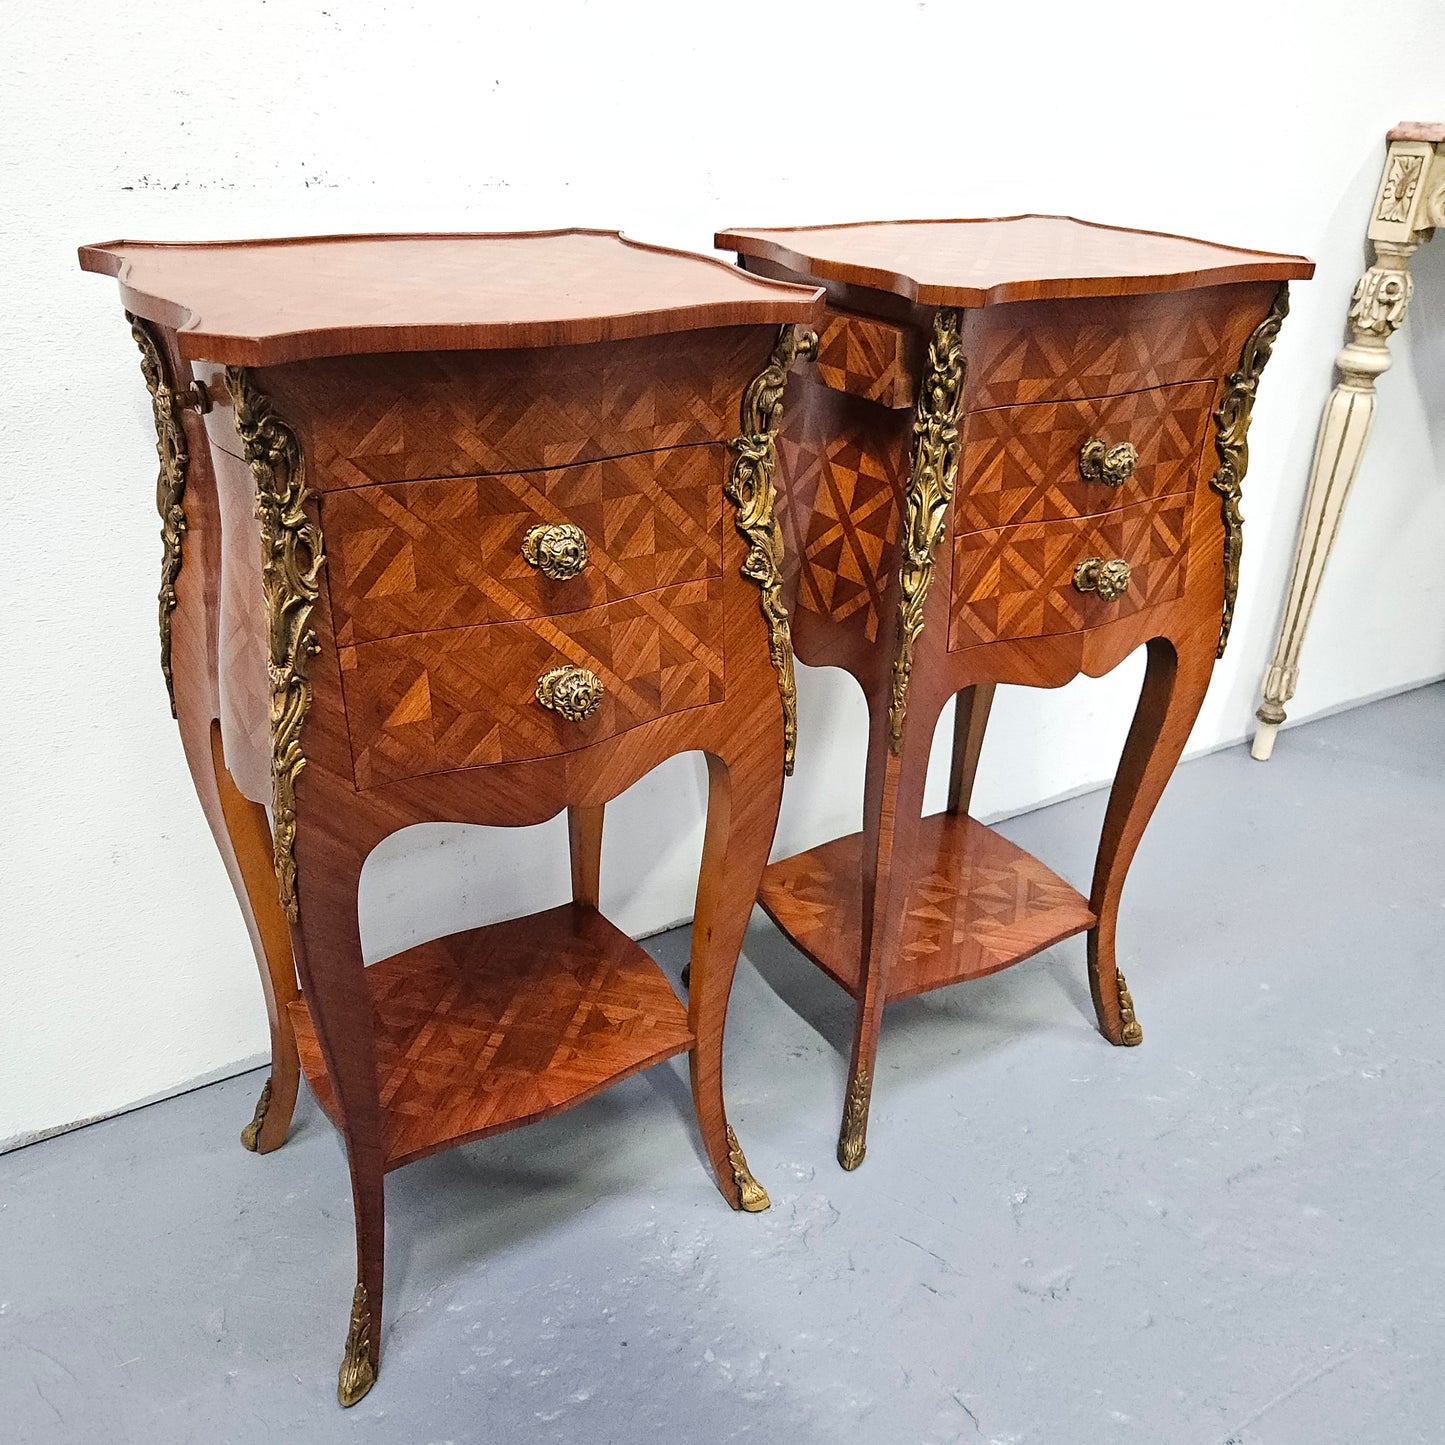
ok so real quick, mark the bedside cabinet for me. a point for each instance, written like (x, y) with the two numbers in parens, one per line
(1017, 459)
(476, 529)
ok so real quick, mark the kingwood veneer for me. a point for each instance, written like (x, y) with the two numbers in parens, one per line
(468, 528)
(1017, 459)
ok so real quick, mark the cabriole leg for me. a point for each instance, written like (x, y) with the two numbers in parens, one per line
(361, 1355)
(341, 1014)
(1174, 685)
(250, 836)
(190, 529)
(742, 812)
(892, 812)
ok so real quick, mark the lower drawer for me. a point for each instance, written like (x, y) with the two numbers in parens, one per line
(467, 696)
(1019, 581)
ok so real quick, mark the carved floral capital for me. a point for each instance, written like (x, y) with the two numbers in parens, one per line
(1381, 297)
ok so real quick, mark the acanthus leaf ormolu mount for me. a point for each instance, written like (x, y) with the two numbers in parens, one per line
(1017, 459)
(422, 472)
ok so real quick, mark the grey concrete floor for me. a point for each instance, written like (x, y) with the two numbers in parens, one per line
(1233, 1235)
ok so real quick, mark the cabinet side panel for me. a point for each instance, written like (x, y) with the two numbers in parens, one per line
(245, 691)
(843, 465)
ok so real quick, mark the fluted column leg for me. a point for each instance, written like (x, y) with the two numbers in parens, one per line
(1378, 308)
(1409, 204)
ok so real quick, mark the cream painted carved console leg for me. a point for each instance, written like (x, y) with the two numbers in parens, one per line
(1409, 204)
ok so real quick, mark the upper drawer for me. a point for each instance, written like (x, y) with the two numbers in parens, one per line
(452, 552)
(867, 357)
(1028, 351)
(467, 697)
(394, 418)
(1030, 463)
(1016, 582)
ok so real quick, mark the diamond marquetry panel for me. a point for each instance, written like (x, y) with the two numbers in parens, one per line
(1055, 351)
(396, 418)
(976, 904)
(1021, 463)
(841, 462)
(866, 357)
(1018, 581)
(416, 556)
(492, 1028)
(466, 697)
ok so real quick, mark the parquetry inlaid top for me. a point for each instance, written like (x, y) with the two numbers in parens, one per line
(1016, 258)
(260, 303)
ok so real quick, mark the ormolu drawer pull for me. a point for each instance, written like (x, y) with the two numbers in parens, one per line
(558, 551)
(1112, 465)
(1109, 579)
(574, 692)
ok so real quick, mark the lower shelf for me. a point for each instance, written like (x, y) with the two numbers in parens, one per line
(978, 903)
(485, 1030)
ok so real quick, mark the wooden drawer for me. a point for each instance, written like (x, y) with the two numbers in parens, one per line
(396, 418)
(466, 697)
(448, 552)
(1022, 463)
(1014, 582)
(867, 358)
(1027, 351)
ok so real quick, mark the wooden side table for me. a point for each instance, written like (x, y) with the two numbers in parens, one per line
(453, 530)
(1409, 204)
(1017, 459)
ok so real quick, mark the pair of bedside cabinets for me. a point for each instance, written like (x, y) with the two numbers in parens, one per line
(482, 528)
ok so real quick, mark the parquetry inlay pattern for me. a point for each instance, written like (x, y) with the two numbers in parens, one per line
(456, 414)
(1051, 351)
(977, 904)
(844, 485)
(414, 556)
(465, 697)
(493, 1027)
(1021, 463)
(1018, 581)
(866, 357)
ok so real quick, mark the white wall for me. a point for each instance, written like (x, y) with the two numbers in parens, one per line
(125, 971)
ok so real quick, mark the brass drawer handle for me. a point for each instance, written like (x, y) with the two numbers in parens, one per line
(559, 551)
(574, 692)
(1109, 579)
(1112, 465)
